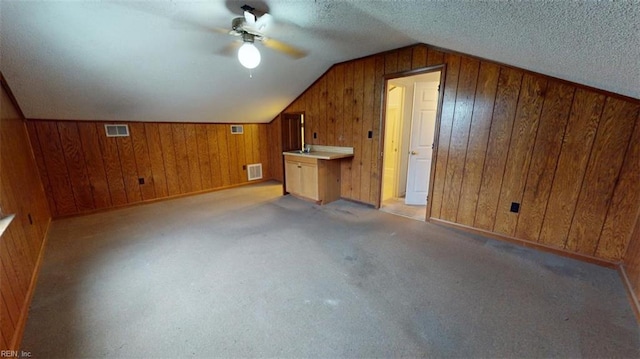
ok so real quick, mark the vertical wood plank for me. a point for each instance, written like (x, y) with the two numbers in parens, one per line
(459, 137)
(275, 144)
(478, 137)
(444, 138)
(611, 142)
(3, 342)
(338, 100)
(323, 108)
(367, 125)
(263, 137)
(248, 143)
(42, 169)
(95, 166)
(374, 194)
(231, 148)
(191, 142)
(129, 169)
(404, 59)
(8, 316)
(504, 111)
(112, 167)
(169, 159)
(56, 167)
(154, 144)
(358, 98)
(520, 151)
(347, 115)
(419, 57)
(255, 145)
(572, 163)
(391, 63)
(553, 121)
(74, 157)
(182, 157)
(15, 264)
(619, 223)
(311, 114)
(435, 58)
(204, 160)
(142, 160)
(214, 157)
(16, 271)
(329, 138)
(238, 147)
(228, 175)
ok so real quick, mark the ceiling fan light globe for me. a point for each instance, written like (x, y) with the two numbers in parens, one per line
(249, 56)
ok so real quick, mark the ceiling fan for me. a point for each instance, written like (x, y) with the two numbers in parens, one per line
(250, 28)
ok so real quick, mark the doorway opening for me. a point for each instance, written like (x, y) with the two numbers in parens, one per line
(411, 112)
(292, 131)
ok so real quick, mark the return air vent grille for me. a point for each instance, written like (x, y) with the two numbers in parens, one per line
(237, 129)
(254, 172)
(117, 130)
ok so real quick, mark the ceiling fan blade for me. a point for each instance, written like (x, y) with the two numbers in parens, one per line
(231, 49)
(280, 46)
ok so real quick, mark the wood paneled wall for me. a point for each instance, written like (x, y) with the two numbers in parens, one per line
(83, 170)
(567, 153)
(21, 245)
(632, 265)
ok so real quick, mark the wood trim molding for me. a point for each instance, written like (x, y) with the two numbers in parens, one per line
(24, 313)
(635, 304)
(529, 244)
(161, 199)
(7, 88)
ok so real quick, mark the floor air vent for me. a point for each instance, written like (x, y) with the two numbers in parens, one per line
(254, 172)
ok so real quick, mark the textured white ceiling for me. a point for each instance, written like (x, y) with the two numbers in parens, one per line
(152, 61)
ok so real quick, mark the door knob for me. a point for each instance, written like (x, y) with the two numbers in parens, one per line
(414, 152)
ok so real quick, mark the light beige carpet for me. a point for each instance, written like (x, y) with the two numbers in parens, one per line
(247, 272)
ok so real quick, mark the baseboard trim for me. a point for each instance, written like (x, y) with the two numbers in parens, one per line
(529, 244)
(101, 210)
(633, 298)
(24, 311)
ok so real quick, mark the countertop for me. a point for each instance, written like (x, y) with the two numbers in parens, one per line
(321, 155)
(324, 152)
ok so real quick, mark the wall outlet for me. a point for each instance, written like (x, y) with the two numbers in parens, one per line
(515, 207)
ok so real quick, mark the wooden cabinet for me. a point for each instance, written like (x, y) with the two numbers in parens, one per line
(312, 178)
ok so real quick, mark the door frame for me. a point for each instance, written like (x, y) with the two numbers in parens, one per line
(436, 134)
(281, 144)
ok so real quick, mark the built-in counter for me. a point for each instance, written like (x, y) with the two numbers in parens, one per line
(315, 175)
(324, 152)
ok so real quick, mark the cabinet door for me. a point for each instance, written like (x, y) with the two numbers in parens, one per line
(309, 180)
(292, 174)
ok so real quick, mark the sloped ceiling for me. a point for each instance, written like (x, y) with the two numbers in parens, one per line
(157, 60)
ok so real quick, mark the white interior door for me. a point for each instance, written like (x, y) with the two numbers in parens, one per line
(423, 123)
(391, 143)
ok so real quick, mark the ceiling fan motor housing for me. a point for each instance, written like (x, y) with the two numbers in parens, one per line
(238, 24)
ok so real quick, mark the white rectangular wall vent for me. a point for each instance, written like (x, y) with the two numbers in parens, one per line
(237, 129)
(117, 130)
(254, 172)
